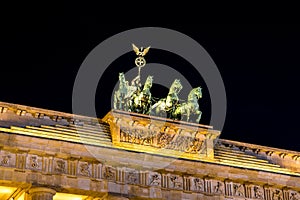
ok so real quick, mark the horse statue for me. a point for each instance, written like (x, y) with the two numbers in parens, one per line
(168, 105)
(120, 96)
(141, 99)
(190, 107)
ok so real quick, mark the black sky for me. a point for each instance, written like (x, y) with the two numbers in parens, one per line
(259, 65)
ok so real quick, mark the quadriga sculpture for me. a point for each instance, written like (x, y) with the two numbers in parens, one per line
(134, 98)
(141, 99)
(166, 106)
(120, 96)
(190, 107)
(131, 97)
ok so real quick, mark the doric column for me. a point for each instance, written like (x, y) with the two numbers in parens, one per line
(41, 193)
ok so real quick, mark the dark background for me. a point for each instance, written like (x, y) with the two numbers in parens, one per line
(259, 65)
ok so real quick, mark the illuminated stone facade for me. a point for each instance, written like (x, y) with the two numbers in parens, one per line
(52, 155)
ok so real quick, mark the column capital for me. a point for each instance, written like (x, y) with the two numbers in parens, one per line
(41, 193)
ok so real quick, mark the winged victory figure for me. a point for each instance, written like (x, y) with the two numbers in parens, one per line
(140, 51)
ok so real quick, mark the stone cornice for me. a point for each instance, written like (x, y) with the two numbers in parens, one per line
(41, 113)
(257, 148)
(285, 158)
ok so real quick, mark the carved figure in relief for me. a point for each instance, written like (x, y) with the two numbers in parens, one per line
(60, 166)
(34, 162)
(181, 143)
(132, 177)
(5, 160)
(109, 173)
(155, 180)
(147, 138)
(276, 195)
(84, 169)
(218, 188)
(176, 183)
(294, 196)
(195, 147)
(198, 183)
(258, 194)
(238, 190)
(164, 139)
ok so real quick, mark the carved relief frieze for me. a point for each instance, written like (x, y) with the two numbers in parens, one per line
(84, 168)
(34, 162)
(257, 192)
(238, 190)
(196, 146)
(60, 166)
(163, 139)
(293, 195)
(231, 189)
(217, 187)
(277, 194)
(187, 142)
(154, 179)
(132, 177)
(7, 159)
(175, 181)
(273, 193)
(182, 143)
(197, 184)
(109, 173)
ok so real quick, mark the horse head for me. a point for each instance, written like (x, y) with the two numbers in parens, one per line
(195, 94)
(122, 77)
(176, 86)
(148, 83)
(198, 92)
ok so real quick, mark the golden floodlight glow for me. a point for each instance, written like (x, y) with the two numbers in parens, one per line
(22, 197)
(65, 196)
(5, 192)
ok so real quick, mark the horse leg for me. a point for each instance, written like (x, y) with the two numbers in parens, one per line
(115, 101)
(178, 114)
(188, 113)
(199, 116)
(156, 106)
(146, 108)
(121, 102)
(129, 105)
(125, 106)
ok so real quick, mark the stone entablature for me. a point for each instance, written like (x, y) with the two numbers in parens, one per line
(81, 174)
(134, 163)
(285, 158)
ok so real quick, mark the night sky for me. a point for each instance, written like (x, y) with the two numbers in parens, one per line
(259, 65)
